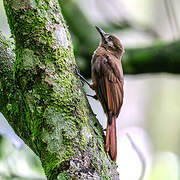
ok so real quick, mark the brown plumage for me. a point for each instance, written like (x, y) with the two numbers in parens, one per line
(107, 78)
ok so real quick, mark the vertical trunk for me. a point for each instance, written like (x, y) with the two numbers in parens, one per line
(44, 100)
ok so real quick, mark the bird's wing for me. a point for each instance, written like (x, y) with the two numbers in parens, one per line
(109, 83)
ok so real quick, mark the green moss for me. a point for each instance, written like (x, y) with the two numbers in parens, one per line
(63, 176)
(51, 167)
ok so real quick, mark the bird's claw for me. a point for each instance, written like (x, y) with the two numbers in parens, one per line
(81, 77)
(77, 71)
(94, 97)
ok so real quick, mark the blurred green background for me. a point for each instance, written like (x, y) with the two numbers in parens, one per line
(150, 113)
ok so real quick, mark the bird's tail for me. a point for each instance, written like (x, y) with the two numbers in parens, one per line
(111, 139)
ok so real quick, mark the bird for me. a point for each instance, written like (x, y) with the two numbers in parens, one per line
(107, 82)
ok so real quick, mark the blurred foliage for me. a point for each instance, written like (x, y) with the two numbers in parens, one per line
(19, 164)
(159, 57)
(165, 167)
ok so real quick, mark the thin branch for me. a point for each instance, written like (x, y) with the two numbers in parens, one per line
(140, 155)
(123, 19)
(174, 17)
(170, 18)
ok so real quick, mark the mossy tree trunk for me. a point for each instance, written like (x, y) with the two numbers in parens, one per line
(42, 98)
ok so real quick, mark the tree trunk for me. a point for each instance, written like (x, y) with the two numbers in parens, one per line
(42, 97)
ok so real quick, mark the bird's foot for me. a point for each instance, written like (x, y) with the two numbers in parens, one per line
(94, 97)
(82, 78)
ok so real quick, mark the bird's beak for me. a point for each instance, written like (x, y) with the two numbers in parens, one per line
(101, 32)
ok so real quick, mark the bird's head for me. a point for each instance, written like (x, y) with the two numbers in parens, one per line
(111, 42)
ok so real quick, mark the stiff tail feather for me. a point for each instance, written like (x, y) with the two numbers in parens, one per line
(111, 139)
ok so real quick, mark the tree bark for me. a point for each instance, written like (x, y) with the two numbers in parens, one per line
(6, 72)
(42, 97)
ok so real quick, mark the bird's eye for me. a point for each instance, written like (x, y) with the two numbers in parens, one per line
(110, 38)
